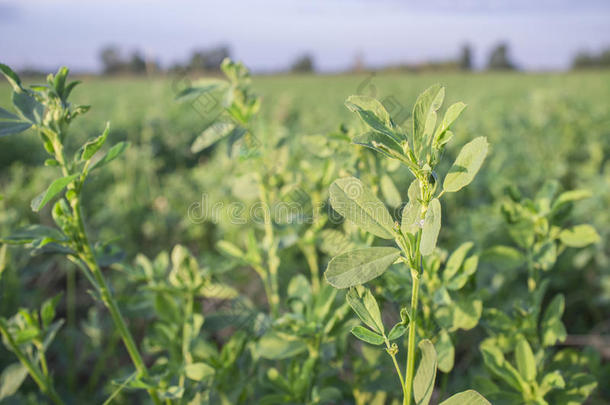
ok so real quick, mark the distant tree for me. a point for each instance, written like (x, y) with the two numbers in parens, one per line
(465, 60)
(303, 64)
(208, 59)
(111, 59)
(114, 63)
(585, 60)
(136, 63)
(499, 60)
(604, 58)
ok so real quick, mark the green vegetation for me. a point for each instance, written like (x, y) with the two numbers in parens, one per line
(252, 240)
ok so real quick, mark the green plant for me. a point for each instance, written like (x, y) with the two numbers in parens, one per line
(47, 110)
(28, 335)
(419, 150)
(538, 227)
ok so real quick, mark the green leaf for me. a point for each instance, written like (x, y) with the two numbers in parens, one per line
(526, 364)
(397, 331)
(466, 165)
(91, 147)
(211, 135)
(218, 291)
(6, 115)
(333, 242)
(112, 154)
(198, 371)
(13, 127)
(365, 306)
(466, 313)
(523, 233)
(452, 114)
(570, 196)
(51, 333)
(432, 227)
(389, 191)
(424, 116)
(367, 335)
(411, 217)
(551, 327)
(359, 266)
(60, 80)
(469, 397)
(29, 107)
(380, 143)
(229, 249)
(173, 392)
(468, 269)
(411, 213)
(443, 139)
(503, 258)
(70, 87)
(200, 88)
(371, 306)
(32, 233)
(279, 345)
(551, 381)
(373, 113)
(11, 76)
(11, 379)
(494, 360)
(579, 236)
(446, 352)
(350, 198)
(423, 384)
(456, 259)
(545, 255)
(55, 188)
(47, 311)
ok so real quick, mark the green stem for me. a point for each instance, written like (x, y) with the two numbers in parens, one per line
(273, 261)
(186, 339)
(412, 336)
(71, 315)
(393, 356)
(416, 271)
(43, 361)
(86, 255)
(309, 250)
(43, 382)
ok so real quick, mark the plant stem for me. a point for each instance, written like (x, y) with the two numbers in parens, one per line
(273, 260)
(416, 268)
(43, 361)
(71, 315)
(186, 339)
(309, 250)
(393, 356)
(43, 382)
(411, 342)
(86, 255)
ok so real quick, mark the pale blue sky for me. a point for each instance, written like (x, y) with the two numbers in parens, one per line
(268, 35)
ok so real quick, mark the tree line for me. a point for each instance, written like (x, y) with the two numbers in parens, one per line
(208, 60)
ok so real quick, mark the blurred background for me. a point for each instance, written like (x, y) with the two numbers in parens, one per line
(141, 36)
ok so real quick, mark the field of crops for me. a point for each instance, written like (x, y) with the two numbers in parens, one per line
(190, 267)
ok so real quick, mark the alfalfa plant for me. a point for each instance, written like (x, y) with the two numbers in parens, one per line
(46, 109)
(415, 237)
(539, 374)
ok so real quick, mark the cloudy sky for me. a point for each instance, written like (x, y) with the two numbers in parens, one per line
(270, 34)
